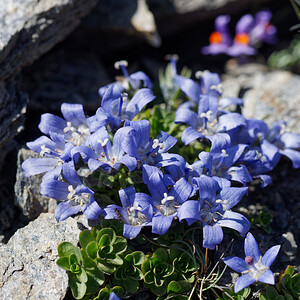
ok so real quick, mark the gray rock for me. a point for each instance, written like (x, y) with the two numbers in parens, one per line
(28, 267)
(289, 248)
(28, 29)
(269, 95)
(130, 17)
(27, 190)
(64, 75)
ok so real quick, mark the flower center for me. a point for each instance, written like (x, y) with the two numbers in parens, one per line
(135, 217)
(211, 213)
(242, 38)
(80, 199)
(215, 38)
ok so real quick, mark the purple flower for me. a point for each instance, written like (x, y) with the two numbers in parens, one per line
(213, 210)
(74, 127)
(116, 108)
(100, 152)
(75, 196)
(166, 202)
(54, 153)
(254, 267)
(136, 211)
(220, 39)
(113, 296)
(241, 44)
(263, 30)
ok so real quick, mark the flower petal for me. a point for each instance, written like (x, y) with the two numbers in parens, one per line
(267, 277)
(251, 247)
(65, 209)
(161, 223)
(270, 256)
(242, 282)
(236, 263)
(131, 232)
(212, 236)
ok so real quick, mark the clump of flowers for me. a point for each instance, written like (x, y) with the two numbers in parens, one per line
(187, 177)
(250, 33)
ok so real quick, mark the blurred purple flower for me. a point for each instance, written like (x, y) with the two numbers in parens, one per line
(220, 39)
(254, 267)
(263, 30)
(241, 44)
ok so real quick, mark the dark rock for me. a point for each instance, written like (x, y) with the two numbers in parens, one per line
(29, 29)
(27, 190)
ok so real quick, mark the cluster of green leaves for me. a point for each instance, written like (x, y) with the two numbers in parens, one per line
(230, 294)
(287, 288)
(288, 58)
(262, 220)
(107, 263)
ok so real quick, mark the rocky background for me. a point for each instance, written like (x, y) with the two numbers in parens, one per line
(55, 51)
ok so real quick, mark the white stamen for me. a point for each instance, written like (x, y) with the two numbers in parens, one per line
(156, 144)
(135, 207)
(224, 153)
(103, 143)
(218, 88)
(166, 198)
(71, 192)
(44, 150)
(223, 203)
(199, 74)
(190, 167)
(206, 115)
(119, 63)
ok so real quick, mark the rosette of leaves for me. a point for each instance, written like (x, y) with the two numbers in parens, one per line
(103, 247)
(71, 260)
(184, 264)
(129, 274)
(272, 294)
(289, 283)
(106, 291)
(241, 295)
(158, 273)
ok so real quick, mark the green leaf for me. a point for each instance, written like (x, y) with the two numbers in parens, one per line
(161, 253)
(104, 241)
(288, 297)
(149, 277)
(173, 288)
(271, 292)
(88, 263)
(131, 285)
(66, 249)
(184, 285)
(245, 292)
(78, 288)
(138, 258)
(262, 297)
(118, 290)
(158, 290)
(97, 275)
(63, 262)
(120, 245)
(86, 237)
(116, 261)
(279, 297)
(107, 231)
(82, 276)
(106, 267)
(146, 266)
(92, 250)
(289, 270)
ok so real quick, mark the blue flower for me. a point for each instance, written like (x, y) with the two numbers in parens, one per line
(115, 107)
(254, 267)
(167, 198)
(113, 296)
(213, 210)
(100, 152)
(74, 127)
(75, 196)
(54, 153)
(136, 211)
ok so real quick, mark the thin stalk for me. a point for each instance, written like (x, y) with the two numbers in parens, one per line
(205, 264)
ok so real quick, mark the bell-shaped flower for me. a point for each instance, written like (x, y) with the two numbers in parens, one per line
(219, 162)
(263, 31)
(166, 202)
(73, 194)
(100, 152)
(115, 107)
(134, 79)
(154, 151)
(54, 153)
(241, 43)
(254, 267)
(220, 39)
(136, 211)
(213, 210)
(74, 127)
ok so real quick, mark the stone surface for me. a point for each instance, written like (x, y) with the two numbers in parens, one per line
(28, 267)
(28, 29)
(269, 95)
(64, 75)
(27, 190)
